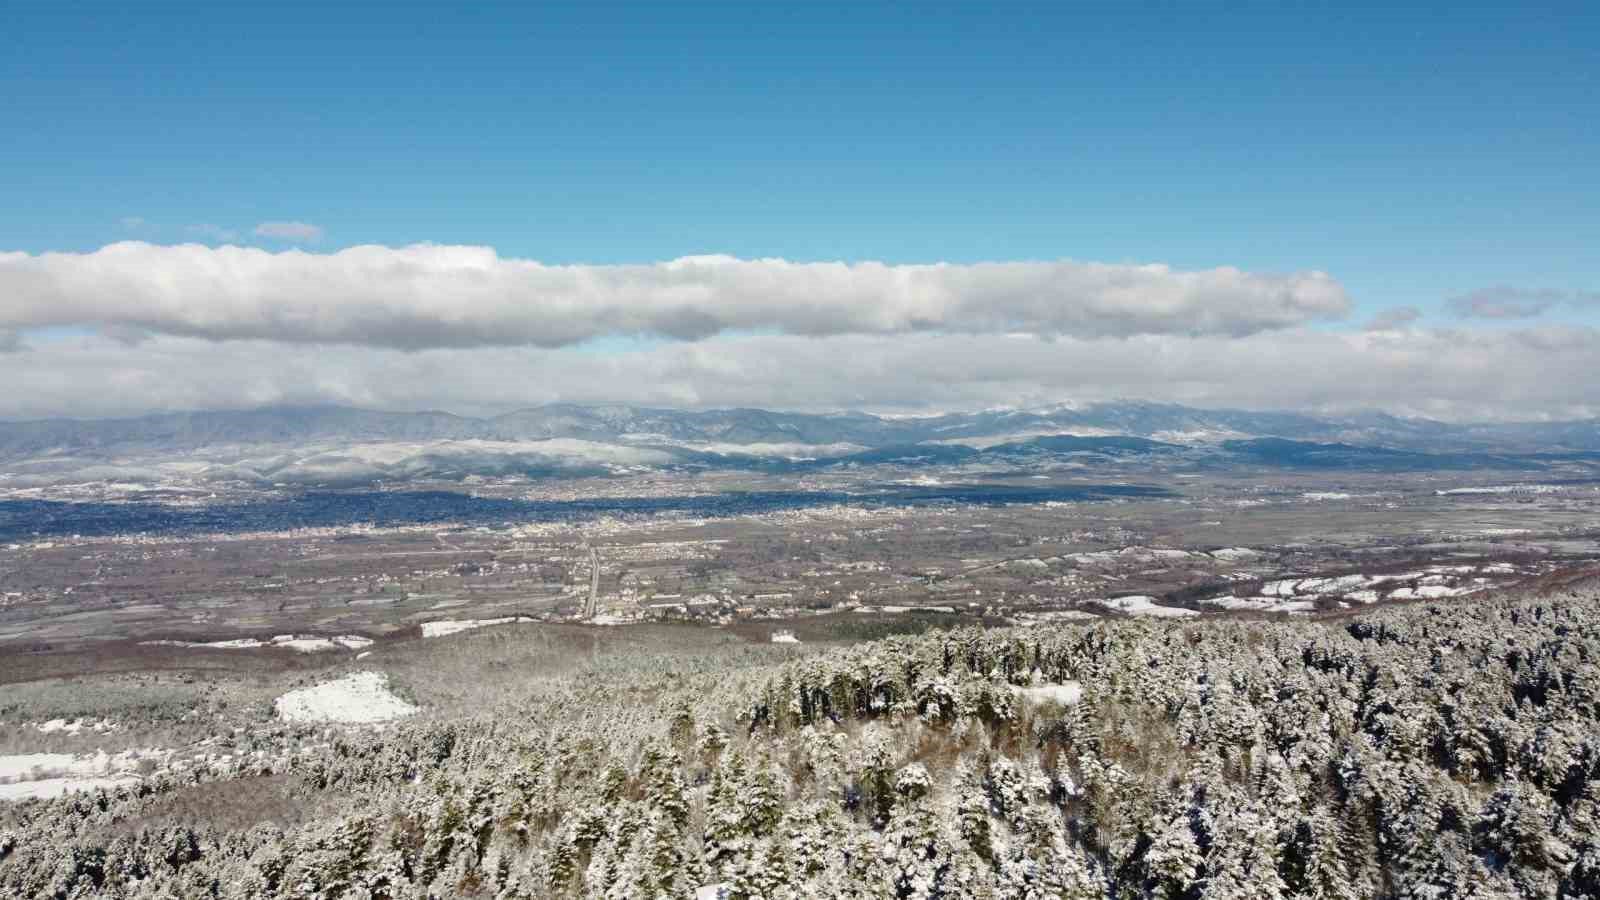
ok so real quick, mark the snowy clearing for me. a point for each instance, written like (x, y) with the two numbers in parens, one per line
(1064, 694)
(76, 726)
(446, 627)
(1502, 489)
(361, 697)
(1334, 585)
(23, 765)
(48, 788)
(281, 642)
(1135, 553)
(1428, 592)
(1146, 606)
(26, 776)
(1432, 583)
(1262, 604)
(1055, 615)
(1282, 588)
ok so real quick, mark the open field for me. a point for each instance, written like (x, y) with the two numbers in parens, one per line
(175, 596)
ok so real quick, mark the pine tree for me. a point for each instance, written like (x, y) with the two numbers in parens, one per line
(1174, 861)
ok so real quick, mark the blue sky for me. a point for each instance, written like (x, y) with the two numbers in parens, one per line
(1414, 153)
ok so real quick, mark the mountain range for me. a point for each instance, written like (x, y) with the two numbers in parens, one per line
(1181, 424)
(339, 444)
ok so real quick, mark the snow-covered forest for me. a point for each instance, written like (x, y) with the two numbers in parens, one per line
(1440, 750)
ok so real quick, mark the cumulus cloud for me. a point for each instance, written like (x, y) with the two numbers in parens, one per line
(1507, 302)
(429, 296)
(304, 232)
(1442, 373)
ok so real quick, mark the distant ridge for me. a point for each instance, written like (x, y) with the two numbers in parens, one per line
(1169, 423)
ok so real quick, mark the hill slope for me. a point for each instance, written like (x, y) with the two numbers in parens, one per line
(1441, 750)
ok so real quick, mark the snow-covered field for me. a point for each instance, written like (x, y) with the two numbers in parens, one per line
(1055, 615)
(43, 775)
(1502, 489)
(46, 788)
(1431, 583)
(456, 626)
(1429, 592)
(359, 697)
(280, 642)
(1132, 554)
(1146, 606)
(1262, 604)
(76, 726)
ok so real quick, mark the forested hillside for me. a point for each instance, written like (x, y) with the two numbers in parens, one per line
(1442, 750)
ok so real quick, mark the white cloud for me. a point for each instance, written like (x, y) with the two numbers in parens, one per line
(1507, 302)
(1447, 374)
(303, 232)
(428, 296)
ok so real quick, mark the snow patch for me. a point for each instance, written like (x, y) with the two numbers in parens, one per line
(1282, 588)
(360, 697)
(1146, 606)
(1502, 489)
(1064, 694)
(1262, 604)
(99, 726)
(21, 765)
(281, 641)
(1334, 585)
(1055, 615)
(456, 626)
(1426, 592)
(43, 775)
(48, 788)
